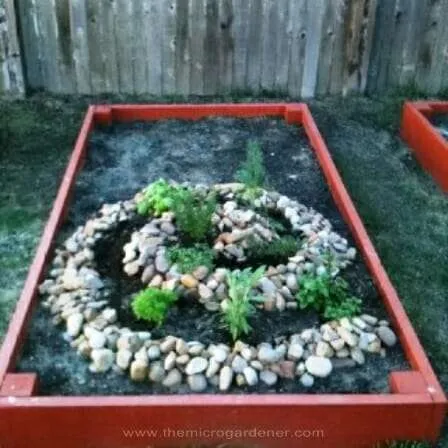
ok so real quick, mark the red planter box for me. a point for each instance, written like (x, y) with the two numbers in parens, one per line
(430, 148)
(414, 409)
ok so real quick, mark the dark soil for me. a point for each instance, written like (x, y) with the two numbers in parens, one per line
(124, 158)
(441, 121)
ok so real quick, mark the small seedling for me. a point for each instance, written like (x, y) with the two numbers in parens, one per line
(189, 258)
(328, 296)
(153, 304)
(194, 215)
(252, 172)
(158, 197)
(240, 305)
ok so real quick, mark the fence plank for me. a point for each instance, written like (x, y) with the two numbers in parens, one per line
(314, 36)
(108, 48)
(78, 28)
(226, 45)
(240, 30)
(282, 51)
(153, 37)
(255, 45)
(197, 30)
(211, 57)
(269, 36)
(168, 17)
(182, 68)
(298, 15)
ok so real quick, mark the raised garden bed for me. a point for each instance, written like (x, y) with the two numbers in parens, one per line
(288, 387)
(425, 128)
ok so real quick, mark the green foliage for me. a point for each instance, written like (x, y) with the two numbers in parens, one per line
(152, 304)
(328, 296)
(194, 214)
(275, 252)
(158, 197)
(189, 258)
(252, 172)
(240, 307)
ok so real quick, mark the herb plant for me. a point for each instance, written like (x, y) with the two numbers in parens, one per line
(153, 304)
(273, 252)
(252, 172)
(328, 296)
(194, 215)
(158, 197)
(189, 258)
(240, 305)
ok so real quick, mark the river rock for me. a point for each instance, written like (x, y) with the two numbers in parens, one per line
(318, 366)
(138, 370)
(269, 378)
(123, 358)
(196, 365)
(251, 376)
(173, 379)
(197, 382)
(387, 336)
(225, 378)
(103, 359)
(74, 324)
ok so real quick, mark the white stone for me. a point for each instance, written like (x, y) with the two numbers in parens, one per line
(197, 382)
(267, 355)
(74, 324)
(170, 361)
(239, 364)
(173, 379)
(156, 372)
(387, 336)
(138, 370)
(97, 339)
(225, 378)
(307, 380)
(251, 376)
(269, 378)
(103, 359)
(295, 352)
(196, 365)
(123, 358)
(318, 366)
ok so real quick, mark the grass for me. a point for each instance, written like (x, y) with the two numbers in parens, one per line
(405, 213)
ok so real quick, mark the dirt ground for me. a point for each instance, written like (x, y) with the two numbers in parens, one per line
(405, 213)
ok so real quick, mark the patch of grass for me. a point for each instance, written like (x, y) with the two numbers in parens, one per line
(157, 198)
(153, 304)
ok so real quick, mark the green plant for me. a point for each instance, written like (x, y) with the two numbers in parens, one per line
(240, 304)
(273, 252)
(158, 197)
(194, 214)
(189, 258)
(252, 172)
(152, 304)
(328, 296)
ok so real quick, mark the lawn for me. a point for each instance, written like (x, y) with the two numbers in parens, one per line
(405, 213)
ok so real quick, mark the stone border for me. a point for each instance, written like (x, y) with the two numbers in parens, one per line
(75, 294)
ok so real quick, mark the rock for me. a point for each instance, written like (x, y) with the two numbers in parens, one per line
(103, 359)
(72, 246)
(267, 355)
(200, 272)
(183, 360)
(123, 358)
(110, 314)
(153, 352)
(307, 380)
(337, 344)
(148, 274)
(131, 268)
(239, 364)
(156, 281)
(71, 280)
(295, 352)
(250, 376)
(97, 339)
(156, 372)
(387, 336)
(374, 347)
(161, 263)
(168, 344)
(280, 302)
(197, 383)
(170, 361)
(349, 338)
(370, 320)
(173, 379)
(225, 378)
(248, 353)
(267, 286)
(359, 323)
(181, 347)
(212, 306)
(318, 366)
(189, 281)
(168, 228)
(357, 355)
(139, 370)
(323, 349)
(285, 369)
(300, 369)
(307, 335)
(343, 353)
(343, 363)
(74, 324)
(196, 365)
(129, 341)
(213, 367)
(204, 292)
(269, 378)
(195, 348)
(291, 282)
(219, 354)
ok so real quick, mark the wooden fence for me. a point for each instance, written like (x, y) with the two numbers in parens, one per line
(300, 47)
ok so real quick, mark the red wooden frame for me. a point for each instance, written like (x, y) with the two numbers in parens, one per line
(430, 148)
(414, 409)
